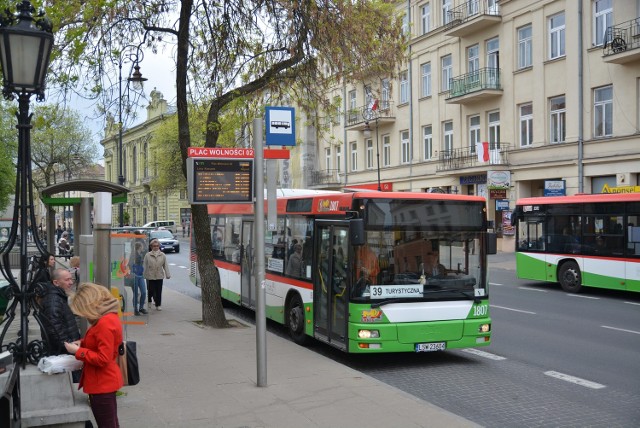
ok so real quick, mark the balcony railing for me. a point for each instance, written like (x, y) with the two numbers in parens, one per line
(356, 116)
(468, 158)
(324, 177)
(479, 80)
(623, 41)
(482, 12)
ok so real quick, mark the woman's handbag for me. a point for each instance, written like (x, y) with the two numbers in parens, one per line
(128, 362)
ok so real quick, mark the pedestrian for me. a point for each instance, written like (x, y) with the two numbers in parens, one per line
(58, 232)
(183, 228)
(101, 376)
(139, 287)
(45, 269)
(156, 269)
(74, 268)
(59, 323)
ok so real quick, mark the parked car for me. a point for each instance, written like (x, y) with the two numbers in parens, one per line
(166, 239)
(170, 225)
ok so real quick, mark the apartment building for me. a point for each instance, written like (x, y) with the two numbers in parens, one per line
(504, 99)
(144, 204)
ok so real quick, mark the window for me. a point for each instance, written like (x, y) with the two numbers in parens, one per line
(603, 112)
(447, 72)
(524, 47)
(526, 125)
(426, 18)
(386, 150)
(405, 24)
(448, 139)
(473, 58)
(602, 16)
(405, 149)
(494, 130)
(353, 112)
(369, 144)
(473, 7)
(135, 164)
(427, 142)
(339, 158)
(446, 8)
(354, 156)
(145, 160)
(556, 36)
(404, 87)
(385, 94)
(474, 132)
(426, 80)
(327, 158)
(557, 120)
(493, 62)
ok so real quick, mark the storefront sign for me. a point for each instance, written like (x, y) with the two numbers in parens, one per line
(555, 188)
(502, 204)
(497, 193)
(499, 179)
(473, 179)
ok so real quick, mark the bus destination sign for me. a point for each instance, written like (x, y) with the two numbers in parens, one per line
(221, 180)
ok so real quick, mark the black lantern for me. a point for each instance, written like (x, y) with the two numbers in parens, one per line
(25, 48)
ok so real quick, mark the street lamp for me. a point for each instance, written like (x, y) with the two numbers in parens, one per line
(138, 81)
(367, 134)
(25, 49)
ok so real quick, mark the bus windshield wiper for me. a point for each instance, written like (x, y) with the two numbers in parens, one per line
(455, 290)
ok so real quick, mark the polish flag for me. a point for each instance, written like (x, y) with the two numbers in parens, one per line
(374, 105)
(483, 151)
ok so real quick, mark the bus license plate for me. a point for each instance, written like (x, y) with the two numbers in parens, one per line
(430, 347)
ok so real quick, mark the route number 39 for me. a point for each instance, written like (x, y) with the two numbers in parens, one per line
(480, 310)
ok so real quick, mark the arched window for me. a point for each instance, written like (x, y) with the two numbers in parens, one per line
(134, 166)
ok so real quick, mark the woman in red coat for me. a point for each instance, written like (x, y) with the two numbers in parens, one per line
(101, 376)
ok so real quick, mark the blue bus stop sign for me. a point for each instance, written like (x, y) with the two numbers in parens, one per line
(280, 126)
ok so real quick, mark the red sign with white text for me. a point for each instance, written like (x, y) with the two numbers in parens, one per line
(219, 152)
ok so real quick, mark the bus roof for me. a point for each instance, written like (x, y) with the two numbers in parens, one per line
(580, 199)
(332, 202)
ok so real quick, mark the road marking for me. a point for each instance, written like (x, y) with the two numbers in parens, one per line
(576, 380)
(582, 297)
(483, 354)
(633, 303)
(183, 267)
(620, 329)
(495, 283)
(514, 310)
(533, 289)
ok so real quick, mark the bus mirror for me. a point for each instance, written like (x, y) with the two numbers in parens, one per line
(492, 243)
(356, 230)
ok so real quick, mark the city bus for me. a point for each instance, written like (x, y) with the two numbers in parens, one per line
(580, 241)
(365, 271)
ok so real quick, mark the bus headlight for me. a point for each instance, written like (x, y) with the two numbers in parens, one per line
(368, 334)
(484, 328)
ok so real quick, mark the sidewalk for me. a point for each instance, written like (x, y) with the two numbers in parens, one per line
(204, 377)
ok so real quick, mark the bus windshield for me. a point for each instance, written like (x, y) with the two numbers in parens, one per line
(406, 265)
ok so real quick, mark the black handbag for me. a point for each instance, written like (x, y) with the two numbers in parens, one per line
(128, 362)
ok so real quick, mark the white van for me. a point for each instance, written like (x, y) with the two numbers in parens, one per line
(167, 224)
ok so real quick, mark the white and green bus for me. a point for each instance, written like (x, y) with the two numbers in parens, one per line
(365, 271)
(580, 241)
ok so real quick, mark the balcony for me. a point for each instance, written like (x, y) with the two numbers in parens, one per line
(475, 86)
(355, 118)
(622, 43)
(471, 17)
(324, 178)
(468, 158)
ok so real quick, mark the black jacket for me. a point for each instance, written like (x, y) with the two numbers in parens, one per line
(59, 322)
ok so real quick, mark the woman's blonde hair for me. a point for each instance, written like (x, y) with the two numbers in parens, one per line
(74, 262)
(92, 301)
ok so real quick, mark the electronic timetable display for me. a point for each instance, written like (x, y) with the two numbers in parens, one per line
(221, 180)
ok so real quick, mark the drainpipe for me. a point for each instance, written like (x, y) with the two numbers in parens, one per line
(580, 102)
(410, 106)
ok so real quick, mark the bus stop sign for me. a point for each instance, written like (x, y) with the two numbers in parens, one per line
(280, 126)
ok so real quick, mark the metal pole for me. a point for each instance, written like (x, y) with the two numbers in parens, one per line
(120, 163)
(261, 320)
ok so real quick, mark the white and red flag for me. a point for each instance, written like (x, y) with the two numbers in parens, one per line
(483, 151)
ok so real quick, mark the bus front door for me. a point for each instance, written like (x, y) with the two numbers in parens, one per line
(247, 297)
(330, 279)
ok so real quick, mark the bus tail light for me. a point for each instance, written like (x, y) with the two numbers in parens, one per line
(368, 334)
(369, 346)
(484, 328)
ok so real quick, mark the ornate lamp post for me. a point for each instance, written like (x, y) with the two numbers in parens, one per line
(25, 49)
(136, 78)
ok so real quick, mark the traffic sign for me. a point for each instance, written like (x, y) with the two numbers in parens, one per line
(280, 126)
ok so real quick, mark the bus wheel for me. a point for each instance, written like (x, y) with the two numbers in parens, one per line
(295, 320)
(570, 277)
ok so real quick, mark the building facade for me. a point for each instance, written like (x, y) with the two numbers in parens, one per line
(144, 204)
(503, 99)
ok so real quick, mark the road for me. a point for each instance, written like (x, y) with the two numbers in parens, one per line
(556, 359)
